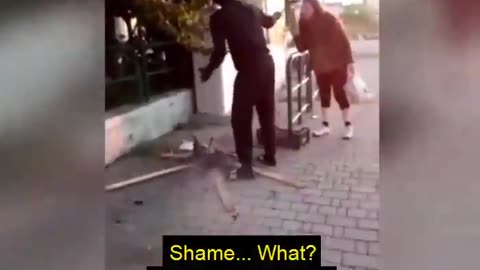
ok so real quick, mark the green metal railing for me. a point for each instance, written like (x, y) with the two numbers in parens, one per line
(135, 55)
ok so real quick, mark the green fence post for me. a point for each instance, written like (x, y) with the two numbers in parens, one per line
(145, 76)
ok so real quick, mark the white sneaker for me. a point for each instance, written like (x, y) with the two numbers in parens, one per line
(348, 132)
(321, 132)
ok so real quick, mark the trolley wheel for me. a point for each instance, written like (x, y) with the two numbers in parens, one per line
(305, 135)
(296, 142)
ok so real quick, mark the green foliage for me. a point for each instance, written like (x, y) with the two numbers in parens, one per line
(359, 15)
(187, 20)
(360, 19)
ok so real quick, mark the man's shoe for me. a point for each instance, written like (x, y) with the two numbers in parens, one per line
(243, 173)
(267, 161)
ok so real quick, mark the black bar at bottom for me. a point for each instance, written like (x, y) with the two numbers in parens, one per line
(260, 252)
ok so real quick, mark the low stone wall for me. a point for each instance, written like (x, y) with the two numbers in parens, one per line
(127, 129)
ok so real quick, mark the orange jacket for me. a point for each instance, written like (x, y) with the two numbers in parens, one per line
(324, 37)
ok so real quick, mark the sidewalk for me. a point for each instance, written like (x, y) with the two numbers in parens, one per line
(366, 48)
(341, 202)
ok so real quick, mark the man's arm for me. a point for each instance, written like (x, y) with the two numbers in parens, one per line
(219, 48)
(269, 21)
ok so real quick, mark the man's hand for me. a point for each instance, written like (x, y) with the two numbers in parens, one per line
(205, 74)
(277, 15)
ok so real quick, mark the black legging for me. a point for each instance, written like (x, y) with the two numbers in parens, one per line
(335, 81)
(254, 87)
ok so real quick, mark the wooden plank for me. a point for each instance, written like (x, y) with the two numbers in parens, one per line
(278, 177)
(217, 177)
(143, 178)
(177, 155)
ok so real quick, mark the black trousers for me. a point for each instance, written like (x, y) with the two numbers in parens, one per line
(254, 87)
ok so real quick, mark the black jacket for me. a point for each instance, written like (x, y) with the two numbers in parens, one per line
(241, 26)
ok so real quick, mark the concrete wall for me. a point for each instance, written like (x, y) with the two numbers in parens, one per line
(144, 123)
(214, 97)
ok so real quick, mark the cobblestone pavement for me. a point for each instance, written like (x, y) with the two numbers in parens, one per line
(341, 202)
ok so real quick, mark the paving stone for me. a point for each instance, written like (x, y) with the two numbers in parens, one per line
(361, 247)
(317, 200)
(350, 181)
(350, 203)
(312, 218)
(291, 225)
(364, 189)
(358, 196)
(335, 194)
(325, 186)
(341, 221)
(307, 227)
(312, 192)
(372, 214)
(255, 193)
(352, 259)
(313, 209)
(365, 235)
(373, 248)
(342, 211)
(290, 197)
(244, 209)
(278, 231)
(338, 231)
(281, 205)
(368, 224)
(265, 212)
(286, 214)
(322, 229)
(300, 207)
(255, 202)
(336, 202)
(327, 210)
(332, 256)
(341, 187)
(358, 213)
(370, 204)
(272, 222)
(374, 197)
(340, 244)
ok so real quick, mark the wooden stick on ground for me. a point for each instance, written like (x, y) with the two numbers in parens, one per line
(225, 197)
(278, 177)
(176, 155)
(143, 178)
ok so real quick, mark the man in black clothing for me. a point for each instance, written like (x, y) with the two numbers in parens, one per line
(240, 25)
